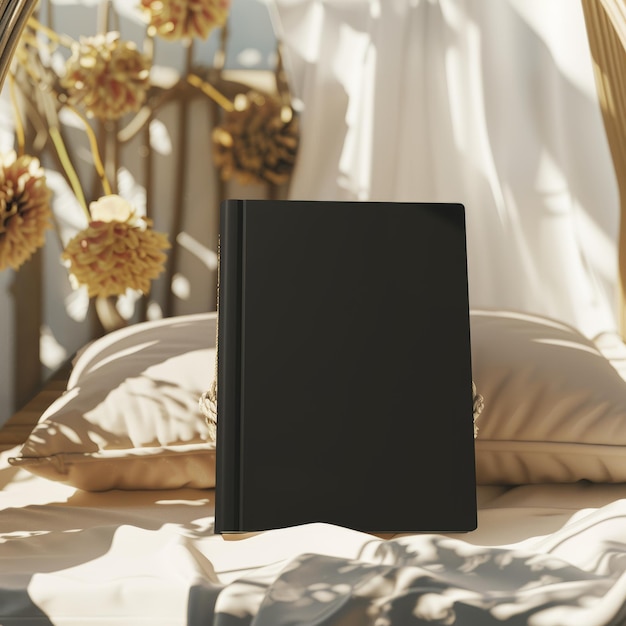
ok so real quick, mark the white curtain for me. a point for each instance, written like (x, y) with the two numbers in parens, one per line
(486, 102)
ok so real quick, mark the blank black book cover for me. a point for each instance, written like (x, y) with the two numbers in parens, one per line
(344, 370)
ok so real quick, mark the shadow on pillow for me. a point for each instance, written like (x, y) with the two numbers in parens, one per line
(555, 406)
(130, 417)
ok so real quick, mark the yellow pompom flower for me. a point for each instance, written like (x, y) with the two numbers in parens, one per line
(117, 251)
(24, 209)
(107, 76)
(185, 19)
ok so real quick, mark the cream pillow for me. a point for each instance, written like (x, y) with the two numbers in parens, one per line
(555, 407)
(130, 417)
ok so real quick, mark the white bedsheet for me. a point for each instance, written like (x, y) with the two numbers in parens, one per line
(544, 555)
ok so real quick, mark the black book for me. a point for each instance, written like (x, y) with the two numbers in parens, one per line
(344, 371)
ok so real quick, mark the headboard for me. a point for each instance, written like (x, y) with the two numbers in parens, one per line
(165, 154)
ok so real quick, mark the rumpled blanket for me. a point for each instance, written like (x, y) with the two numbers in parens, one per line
(131, 558)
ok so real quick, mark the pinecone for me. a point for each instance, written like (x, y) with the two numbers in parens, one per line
(257, 142)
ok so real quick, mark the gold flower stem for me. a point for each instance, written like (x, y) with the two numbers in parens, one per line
(59, 146)
(210, 91)
(93, 142)
(95, 152)
(52, 35)
(108, 315)
(19, 126)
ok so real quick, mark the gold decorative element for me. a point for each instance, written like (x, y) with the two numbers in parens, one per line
(257, 142)
(24, 209)
(109, 77)
(209, 90)
(118, 250)
(478, 406)
(14, 15)
(185, 19)
(208, 407)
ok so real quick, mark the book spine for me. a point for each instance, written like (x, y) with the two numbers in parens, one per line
(227, 514)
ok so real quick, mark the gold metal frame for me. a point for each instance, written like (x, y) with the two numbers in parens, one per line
(13, 17)
(605, 21)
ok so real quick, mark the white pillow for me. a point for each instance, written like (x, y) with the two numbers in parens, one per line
(130, 417)
(555, 407)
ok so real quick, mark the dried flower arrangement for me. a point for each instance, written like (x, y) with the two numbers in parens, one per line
(106, 80)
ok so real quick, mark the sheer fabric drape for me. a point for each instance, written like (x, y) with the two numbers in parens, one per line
(490, 103)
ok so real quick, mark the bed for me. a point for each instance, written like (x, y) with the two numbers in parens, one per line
(107, 508)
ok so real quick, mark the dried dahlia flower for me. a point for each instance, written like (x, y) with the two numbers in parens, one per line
(184, 19)
(107, 76)
(24, 209)
(257, 141)
(117, 251)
